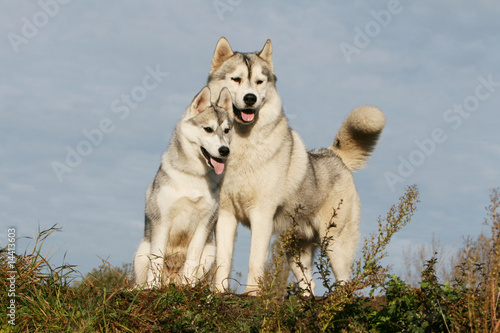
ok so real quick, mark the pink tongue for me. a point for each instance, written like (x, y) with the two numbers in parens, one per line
(247, 116)
(218, 166)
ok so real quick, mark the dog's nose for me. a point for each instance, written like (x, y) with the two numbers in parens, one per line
(224, 151)
(249, 99)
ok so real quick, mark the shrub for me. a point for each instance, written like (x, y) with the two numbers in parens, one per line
(49, 299)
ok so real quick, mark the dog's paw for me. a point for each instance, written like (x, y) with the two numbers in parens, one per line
(154, 284)
(251, 291)
(141, 287)
(189, 274)
(189, 281)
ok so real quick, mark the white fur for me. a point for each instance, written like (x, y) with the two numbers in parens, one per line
(182, 201)
(270, 172)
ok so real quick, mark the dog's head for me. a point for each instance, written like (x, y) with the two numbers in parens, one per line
(248, 76)
(210, 127)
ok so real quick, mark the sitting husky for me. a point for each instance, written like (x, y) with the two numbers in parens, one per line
(182, 200)
(270, 173)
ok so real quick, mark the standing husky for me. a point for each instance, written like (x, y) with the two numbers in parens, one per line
(182, 201)
(270, 173)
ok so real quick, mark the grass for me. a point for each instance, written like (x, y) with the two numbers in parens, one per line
(57, 299)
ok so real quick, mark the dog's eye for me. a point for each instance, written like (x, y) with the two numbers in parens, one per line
(236, 79)
(260, 81)
(208, 129)
(226, 130)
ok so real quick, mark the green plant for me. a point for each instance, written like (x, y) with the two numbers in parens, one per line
(322, 263)
(107, 277)
(477, 274)
(368, 271)
(50, 299)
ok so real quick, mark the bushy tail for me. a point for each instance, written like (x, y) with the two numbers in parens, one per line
(358, 135)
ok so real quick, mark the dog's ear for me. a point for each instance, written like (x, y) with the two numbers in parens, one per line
(225, 101)
(200, 102)
(267, 53)
(222, 52)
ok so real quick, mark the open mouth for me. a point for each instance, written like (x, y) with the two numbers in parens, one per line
(216, 163)
(245, 115)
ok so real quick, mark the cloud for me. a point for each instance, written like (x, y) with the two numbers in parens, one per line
(66, 77)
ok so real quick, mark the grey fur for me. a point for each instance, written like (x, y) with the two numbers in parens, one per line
(182, 201)
(270, 174)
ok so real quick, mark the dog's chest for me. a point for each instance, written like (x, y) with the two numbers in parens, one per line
(198, 192)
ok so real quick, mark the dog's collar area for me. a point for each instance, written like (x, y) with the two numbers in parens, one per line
(247, 116)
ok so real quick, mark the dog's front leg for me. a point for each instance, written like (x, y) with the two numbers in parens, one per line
(194, 251)
(261, 224)
(158, 245)
(225, 233)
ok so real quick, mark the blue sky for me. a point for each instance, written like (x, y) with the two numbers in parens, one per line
(109, 80)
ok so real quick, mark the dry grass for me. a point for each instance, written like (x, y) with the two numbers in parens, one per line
(58, 299)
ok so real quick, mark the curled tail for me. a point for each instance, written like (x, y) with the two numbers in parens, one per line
(358, 135)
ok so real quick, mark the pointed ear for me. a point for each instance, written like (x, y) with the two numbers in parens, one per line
(225, 101)
(200, 102)
(267, 53)
(222, 52)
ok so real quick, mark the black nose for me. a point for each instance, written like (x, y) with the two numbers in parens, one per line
(249, 99)
(224, 151)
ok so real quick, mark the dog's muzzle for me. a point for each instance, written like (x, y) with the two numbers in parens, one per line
(247, 116)
(216, 163)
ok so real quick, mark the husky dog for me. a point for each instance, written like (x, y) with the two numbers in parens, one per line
(182, 200)
(270, 173)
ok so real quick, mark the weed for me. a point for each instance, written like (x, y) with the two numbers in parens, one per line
(50, 299)
(322, 263)
(368, 272)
